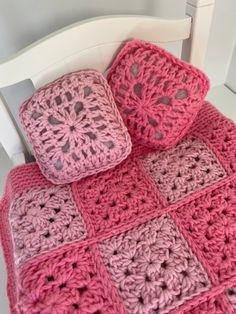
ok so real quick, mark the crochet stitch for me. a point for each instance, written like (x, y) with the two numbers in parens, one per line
(157, 94)
(74, 127)
(153, 267)
(124, 241)
(44, 219)
(170, 169)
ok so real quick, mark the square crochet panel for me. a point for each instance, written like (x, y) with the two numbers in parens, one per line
(157, 94)
(153, 267)
(117, 196)
(66, 283)
(43, 219)
(74, 127)
(183, 169)
(208, 223)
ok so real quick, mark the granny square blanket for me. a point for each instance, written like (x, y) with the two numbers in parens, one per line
(154, 235)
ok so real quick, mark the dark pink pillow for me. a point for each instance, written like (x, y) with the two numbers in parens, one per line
(74, 127)
(157, 94)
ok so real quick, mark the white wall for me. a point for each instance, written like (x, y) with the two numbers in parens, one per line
(221, 42)
(23, 22)
(231, 78)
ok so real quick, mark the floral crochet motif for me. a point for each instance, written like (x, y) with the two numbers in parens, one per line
(184, 169)
(44, 219)
(117, 196)
(209, 225)
(69, 285)
(74, 127)
(157, 95)
(153, 267)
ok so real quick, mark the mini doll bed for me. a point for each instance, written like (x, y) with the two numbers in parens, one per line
(154, 233)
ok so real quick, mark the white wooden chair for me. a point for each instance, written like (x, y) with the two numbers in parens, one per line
(92, 44)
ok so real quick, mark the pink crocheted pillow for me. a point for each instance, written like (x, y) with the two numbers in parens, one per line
(157, 94)
(74, 127)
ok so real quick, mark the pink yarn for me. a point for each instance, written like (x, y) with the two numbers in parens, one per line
(74, 127)
(44, 219)
(73, 284)
(218, 133)
(183, 169)
(117, 197)
(153, 268)
(216, 305)
(133, 244)
(157, 94)
(231, 294)
(210, 217)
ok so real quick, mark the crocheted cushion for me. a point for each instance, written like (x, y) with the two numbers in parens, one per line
(121, 241)
(157, 94)
(74, 127)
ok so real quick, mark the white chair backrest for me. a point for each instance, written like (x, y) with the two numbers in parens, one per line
(92, 44)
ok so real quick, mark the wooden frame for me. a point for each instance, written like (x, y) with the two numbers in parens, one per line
(76, 47)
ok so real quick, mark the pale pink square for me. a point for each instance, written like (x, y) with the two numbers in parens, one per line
(153, 268)
(74, 127)
(43, 219)
(183, 169)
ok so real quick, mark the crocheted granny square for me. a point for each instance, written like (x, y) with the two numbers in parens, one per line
(183, 169)
(116, 197)
(74, 127)
(44, 219)
(206, 223)
(73, 285)
(153, 268)
(154, 235)
(157, 94)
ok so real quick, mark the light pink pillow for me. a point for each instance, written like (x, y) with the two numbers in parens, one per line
(157, 94)
(74, 127)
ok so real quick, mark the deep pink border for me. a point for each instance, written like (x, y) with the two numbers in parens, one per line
(19, 179)
(7, 247)
(15, 184)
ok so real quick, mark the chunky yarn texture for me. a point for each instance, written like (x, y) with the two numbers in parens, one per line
(157, 94)
(74, 127)
(154, 235)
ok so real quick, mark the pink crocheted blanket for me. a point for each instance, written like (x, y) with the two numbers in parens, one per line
(155, 234)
